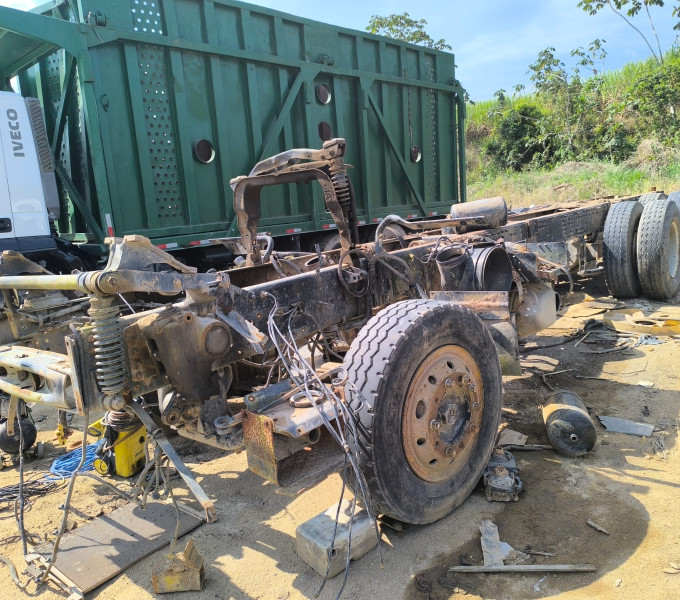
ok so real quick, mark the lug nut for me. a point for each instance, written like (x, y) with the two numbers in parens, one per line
(450, 451)
(475, 406)
(434, 424)
(448, 383)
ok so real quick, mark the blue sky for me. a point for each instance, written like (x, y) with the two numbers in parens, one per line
(494, 40)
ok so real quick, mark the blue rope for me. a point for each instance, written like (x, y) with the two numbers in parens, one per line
(67, 463)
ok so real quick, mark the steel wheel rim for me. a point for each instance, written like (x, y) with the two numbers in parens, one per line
(442, 413)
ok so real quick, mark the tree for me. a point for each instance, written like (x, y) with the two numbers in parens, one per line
(632, 8)
(403, 27)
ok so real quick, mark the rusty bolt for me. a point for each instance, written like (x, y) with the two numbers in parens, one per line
(448, 383)
(466, 380)
(111, 280)
(434, 424)
(474, 428)
(472, 387)
(450, 451)
(475, 406)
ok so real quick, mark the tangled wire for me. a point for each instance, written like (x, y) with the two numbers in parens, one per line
(341, 425)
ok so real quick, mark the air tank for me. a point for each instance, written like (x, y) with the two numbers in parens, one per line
(571, 431)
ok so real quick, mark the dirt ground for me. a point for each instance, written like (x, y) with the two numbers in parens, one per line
(621, 485)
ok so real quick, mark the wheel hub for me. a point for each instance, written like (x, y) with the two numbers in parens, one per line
(442, 414)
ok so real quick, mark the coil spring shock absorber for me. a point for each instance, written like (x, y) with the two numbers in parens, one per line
(109, 358)
(338, 170)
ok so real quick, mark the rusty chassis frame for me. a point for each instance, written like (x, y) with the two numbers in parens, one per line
(192, 352)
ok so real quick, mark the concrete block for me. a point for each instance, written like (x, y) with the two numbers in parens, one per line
(314, 538)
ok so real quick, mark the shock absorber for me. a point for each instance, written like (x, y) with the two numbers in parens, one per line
(110, 370)
(338, 170)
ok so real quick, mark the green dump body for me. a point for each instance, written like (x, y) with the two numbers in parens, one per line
(129, 87)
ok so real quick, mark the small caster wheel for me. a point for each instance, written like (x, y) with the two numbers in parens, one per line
(40, 450)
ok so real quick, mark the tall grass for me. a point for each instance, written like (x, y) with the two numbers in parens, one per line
(651, 166)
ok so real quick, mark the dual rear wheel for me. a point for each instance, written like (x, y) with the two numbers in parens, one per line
(642, 247)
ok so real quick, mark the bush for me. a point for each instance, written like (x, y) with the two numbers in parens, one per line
(518, 138)
(655, 97)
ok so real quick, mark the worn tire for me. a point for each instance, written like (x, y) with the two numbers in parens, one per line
(382, 363)
(619, 249)
(650, 197)
(658, 249)
(674, 197)
(11, 444)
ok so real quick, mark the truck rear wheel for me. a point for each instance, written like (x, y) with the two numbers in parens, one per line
(424, 383)
(619, 249)
(658, 249)
(650, 197)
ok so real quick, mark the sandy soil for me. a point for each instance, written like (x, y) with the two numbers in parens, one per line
(250, 551)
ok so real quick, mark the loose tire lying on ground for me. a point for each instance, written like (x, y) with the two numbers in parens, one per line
(619, 249)
(424, 383)
(658, 249)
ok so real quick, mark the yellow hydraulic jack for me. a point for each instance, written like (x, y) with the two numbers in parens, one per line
(119, 453)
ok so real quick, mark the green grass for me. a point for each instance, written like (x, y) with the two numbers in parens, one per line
(651, 165)
(574, 182)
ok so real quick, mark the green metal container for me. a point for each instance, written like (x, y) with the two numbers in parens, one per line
(137, 93)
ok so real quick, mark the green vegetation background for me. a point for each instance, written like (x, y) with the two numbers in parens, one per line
(582, 134)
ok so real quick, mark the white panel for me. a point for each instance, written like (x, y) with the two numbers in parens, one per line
(5, 206)
(23, 177)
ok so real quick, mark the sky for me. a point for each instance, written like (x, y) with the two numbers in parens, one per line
(494, 41)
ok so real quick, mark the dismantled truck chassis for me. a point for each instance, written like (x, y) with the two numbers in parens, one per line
(385, 357)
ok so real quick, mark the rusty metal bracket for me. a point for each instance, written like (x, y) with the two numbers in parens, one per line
(258, 435)
(284, 168)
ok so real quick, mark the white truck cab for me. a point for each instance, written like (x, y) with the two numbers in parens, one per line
(28, 191)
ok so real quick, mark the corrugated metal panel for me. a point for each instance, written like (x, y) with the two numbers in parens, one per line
(166, 73)
(101, 549)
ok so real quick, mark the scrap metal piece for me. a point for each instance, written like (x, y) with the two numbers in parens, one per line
(491, 544)
(501, 479)
(182, 572)
(104, 547)
(618, 425)
(258, 435)
(596, 526)
(525, 569)
(630, 320)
